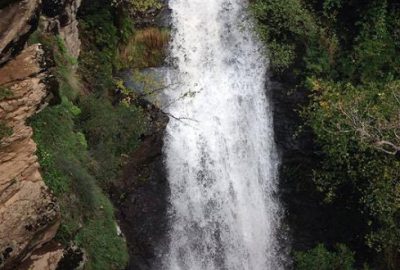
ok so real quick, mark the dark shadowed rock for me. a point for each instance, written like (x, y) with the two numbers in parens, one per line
(310, 220)
(142, 195)
(164, 18)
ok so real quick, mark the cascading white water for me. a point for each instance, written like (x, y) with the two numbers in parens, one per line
(219, 146)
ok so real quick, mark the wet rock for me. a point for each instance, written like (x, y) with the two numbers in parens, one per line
(150, 84)
(141, 195)
(310, 220)
(164, 17)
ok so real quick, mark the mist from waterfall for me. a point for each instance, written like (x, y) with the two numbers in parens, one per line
(219, 145)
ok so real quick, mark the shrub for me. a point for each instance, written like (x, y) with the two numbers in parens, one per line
(285, 27)
(138, 7)
(64, 160)
(319, 258)
(87, 214)
(99, 45)
(346, 54)
(5, 93)
(145, 48)
(357, 128)
(111, 132)
(106, 248)
(5, 131)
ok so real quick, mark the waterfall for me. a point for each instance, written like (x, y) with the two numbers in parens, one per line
(219, 145)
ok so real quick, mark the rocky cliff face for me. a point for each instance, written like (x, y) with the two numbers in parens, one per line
(29, 213)
(60, 18)
(17, 21)
(142, 195)
(310, 221)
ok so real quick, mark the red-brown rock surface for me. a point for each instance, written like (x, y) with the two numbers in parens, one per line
(29, 214)
(17, 20)
(45, 258)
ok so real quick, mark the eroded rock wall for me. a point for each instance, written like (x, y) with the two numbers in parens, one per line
(142, 195)
(17, 21)
(29, 213)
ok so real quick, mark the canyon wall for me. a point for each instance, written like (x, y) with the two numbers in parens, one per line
(29, 213)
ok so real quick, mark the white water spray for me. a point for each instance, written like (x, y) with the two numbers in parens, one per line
(219, 147)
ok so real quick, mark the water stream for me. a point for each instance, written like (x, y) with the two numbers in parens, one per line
(219, 146)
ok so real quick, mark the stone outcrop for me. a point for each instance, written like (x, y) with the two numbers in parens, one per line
(17, 21)
(60, 18)
(69, 27)
(45, 258)
(29, 214)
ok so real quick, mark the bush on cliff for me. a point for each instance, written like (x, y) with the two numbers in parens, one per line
(345, 53)
(319, 258)
(69, 136)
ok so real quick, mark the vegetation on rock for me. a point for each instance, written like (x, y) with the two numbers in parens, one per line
(5, 93)
(82, 141)
(5, 131)
(345, 53)
(319, 258)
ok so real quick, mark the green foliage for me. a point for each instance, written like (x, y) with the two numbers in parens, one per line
(125, 27)
(68, 161)
(144, 5)
(82, 140)
(65, 71)
(107, 251)
(319, 258)
(99, 45)
(55, 124)
(63, 157)
(346, 54)
(5, 93)
(111, 132)
(138, 7)
(5, 130)
(355, 120)
(285, 26)
(375, 48)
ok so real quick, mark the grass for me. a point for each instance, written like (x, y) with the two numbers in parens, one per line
(145, 48)
(5, 131)
(82, 139)
(87, 214)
